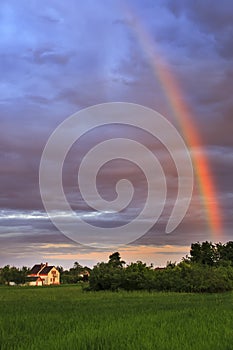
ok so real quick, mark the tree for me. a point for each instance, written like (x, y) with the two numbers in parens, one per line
(6, 274)
(138, 276)
(225, 252)
(106, 276)
(13, 274)
(115, 260)
(204, 253)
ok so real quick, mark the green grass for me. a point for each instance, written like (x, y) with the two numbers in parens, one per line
(66, 318)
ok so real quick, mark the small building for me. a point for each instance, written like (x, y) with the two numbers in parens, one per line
(43, 275)
(11, 283)
(84, 275)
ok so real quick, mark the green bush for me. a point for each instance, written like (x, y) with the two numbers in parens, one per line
(204, 272)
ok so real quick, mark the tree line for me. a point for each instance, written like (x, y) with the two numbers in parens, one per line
(208, 268)
(16, 275)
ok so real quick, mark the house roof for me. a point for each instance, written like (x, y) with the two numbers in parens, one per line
(33, 278)
(46, 270)
(40, 269)
(35, 269)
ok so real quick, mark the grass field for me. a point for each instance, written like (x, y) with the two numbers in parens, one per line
(66, 318)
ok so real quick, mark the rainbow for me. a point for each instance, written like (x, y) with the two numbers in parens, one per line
(190, 132)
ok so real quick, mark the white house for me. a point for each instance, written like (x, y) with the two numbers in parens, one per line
(43, 274)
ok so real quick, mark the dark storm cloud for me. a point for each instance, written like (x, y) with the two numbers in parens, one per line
(211, 18)
(206, 67)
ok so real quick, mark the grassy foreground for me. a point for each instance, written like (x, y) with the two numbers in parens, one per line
(66, 318)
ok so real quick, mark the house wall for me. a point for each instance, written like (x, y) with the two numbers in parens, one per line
(45, 279)
(35, 283)
(54, 276)
(32, 283)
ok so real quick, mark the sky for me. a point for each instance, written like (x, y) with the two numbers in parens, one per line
(58, 58)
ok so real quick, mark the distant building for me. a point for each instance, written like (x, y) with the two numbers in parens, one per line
(43, 275)
(84, 275)
(11, 283)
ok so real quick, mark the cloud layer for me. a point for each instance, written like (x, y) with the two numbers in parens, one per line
(57, 59)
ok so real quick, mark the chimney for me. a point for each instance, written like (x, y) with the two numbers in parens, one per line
(46, 264)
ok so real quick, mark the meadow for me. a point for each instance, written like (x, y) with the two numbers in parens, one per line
(65, 317)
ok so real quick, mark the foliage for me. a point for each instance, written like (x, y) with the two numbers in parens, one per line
(115, 260)
(210, 254)
(108, 276)
(75, 274)
(13, 274)
(208, 269)
(137, 276)
(194, 278)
